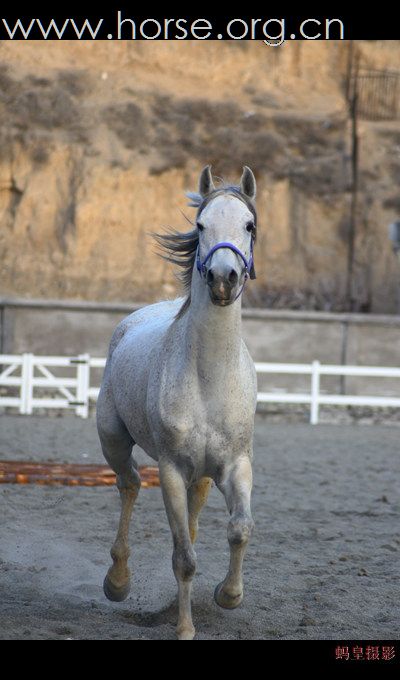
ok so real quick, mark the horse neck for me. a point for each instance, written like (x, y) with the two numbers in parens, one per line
(213, 334)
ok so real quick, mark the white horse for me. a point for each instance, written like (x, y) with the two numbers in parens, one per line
(180, 383)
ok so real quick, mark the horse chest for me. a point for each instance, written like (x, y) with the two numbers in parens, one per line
(204, 418)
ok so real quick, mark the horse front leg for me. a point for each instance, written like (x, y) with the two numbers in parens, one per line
(183, 557)
(236, 488)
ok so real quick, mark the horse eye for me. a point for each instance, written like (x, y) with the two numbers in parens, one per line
(250, 226)
(200, 226)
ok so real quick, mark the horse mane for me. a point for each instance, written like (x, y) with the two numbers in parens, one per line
(180, 247)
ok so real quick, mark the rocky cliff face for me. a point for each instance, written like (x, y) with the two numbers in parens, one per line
(98, 143)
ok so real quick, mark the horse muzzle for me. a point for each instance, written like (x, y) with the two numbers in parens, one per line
(223, 280)
(222, 285)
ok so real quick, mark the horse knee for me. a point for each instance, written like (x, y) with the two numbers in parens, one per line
(240, 530)
(184, 563)
(129, 478)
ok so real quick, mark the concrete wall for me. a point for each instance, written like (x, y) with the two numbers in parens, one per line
(63, 328)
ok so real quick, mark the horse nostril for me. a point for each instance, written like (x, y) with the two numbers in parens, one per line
(233, 277)
(210, 277)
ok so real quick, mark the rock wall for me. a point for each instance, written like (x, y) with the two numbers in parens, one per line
(99, 141)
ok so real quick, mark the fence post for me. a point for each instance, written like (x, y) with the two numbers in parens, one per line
(314, 392)
(25, 406)
(82, 391)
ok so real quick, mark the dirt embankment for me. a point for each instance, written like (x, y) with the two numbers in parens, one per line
(98, 143)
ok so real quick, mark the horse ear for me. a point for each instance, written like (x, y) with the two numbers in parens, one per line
(248, 185)
(206, 184)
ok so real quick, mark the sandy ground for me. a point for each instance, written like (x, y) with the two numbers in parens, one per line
(323, 562)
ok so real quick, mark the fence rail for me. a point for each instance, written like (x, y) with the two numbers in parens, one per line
(25, 374)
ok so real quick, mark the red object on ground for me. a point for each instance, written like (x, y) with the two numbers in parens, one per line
(67, 474)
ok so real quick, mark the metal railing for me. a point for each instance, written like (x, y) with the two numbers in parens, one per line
(378, 94)
(26, 374)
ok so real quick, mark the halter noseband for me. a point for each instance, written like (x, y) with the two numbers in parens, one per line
(248, 263)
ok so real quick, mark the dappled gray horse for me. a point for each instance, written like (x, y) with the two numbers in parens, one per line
(180, 383)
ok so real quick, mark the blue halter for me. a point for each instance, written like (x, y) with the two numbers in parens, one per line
(201, 266)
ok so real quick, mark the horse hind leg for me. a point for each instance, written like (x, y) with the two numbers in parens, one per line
(197, 496)
(117, 447)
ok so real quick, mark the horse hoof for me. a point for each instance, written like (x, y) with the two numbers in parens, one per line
(113, 593)
(224, 600)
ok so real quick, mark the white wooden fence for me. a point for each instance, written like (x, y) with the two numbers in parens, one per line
(25, 374)
(314, 398)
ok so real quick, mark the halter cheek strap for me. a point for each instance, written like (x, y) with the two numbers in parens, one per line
(248, 263)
